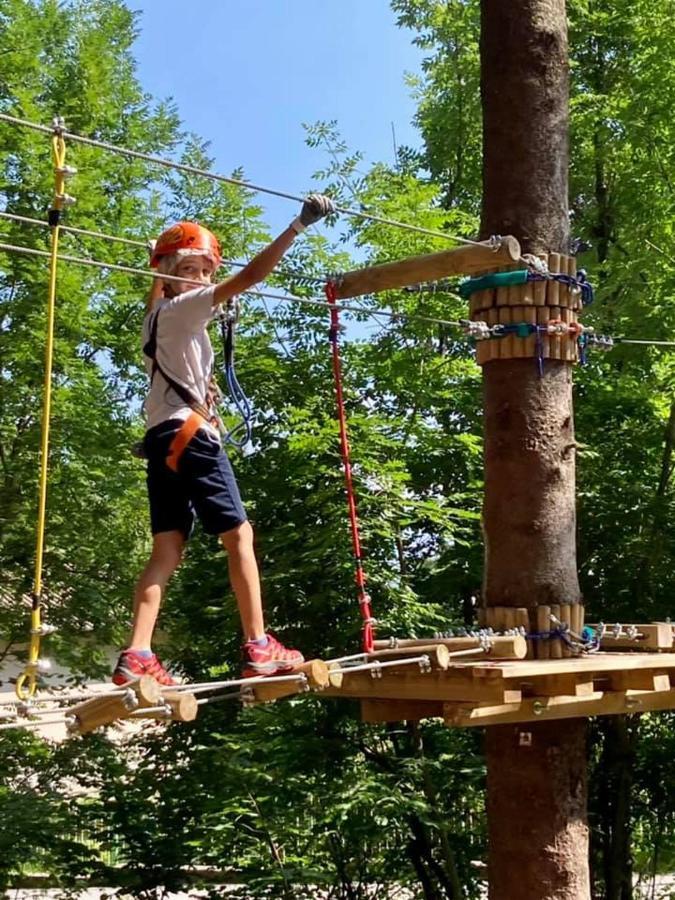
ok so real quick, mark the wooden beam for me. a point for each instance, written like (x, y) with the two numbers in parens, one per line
(400, 710)
(435, 685)
(570, 685)
(640, 680)
(501, 646)
(465, 260)
(538, 709)
(99, 711)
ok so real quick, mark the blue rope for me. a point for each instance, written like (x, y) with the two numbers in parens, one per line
(589, 639)
(243, 407)
(235, 390)
(580, 281)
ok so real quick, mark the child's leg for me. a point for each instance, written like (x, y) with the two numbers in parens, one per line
(167, 551)
(244, 578)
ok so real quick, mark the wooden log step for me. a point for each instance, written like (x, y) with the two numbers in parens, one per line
(316, 673)
(100, 711)
(438, 653)
(181, 706)
(497, 646)
(652, 636)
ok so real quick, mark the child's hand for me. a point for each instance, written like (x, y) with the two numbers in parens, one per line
(315, 207)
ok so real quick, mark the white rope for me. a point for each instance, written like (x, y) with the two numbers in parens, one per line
(30, 251)
(249, 186)
(12, 700)
(42, 723)
(346, 659)
(202, 686)
(646, 343)
(367, 667)
(99, 235)
(235, 695)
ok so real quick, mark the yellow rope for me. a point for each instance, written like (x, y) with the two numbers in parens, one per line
(26, 683)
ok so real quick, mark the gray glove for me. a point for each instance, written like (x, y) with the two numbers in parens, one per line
(315, 207)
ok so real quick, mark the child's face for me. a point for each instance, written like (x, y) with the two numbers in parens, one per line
(192, 268)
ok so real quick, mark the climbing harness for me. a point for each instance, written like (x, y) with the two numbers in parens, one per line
(26, 683)
(360, 577)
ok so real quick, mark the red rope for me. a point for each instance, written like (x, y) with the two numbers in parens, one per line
(360, 576)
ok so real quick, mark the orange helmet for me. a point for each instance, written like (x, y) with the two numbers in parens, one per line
(186, 236)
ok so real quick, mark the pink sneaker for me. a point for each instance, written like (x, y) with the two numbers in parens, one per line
(131, 665)
(274, 659)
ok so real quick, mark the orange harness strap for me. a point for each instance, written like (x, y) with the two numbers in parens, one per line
(182, 438)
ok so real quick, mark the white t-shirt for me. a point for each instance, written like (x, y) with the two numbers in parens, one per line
(184, 352)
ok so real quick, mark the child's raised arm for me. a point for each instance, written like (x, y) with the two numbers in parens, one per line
(315, 207)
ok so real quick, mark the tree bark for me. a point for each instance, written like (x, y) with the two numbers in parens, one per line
(537, 795)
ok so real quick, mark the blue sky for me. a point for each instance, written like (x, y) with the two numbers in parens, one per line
(246, 74)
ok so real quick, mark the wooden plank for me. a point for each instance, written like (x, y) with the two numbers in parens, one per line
(539, 288)
(400, 710)
(482, 300)
(570, 685)
(543, 625)
(566, 619)
(577, 614)
(506, 348)
(563, 291)
(502, 646)
(553, 287)
(555, 644)
(482, 346)
(407, 685)
(493, 350)
(594, 662)
(518, 315)
(555, 339)
(544, 708)
(530, 343)
(523, 622)
(465, 260)
(543, 315)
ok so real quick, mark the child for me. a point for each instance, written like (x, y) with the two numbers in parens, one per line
(188, 472)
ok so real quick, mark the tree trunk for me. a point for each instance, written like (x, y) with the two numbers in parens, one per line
(538, 836)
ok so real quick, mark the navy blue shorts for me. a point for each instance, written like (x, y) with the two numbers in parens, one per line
(203, 485)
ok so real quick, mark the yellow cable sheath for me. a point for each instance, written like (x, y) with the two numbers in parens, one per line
(26, 683)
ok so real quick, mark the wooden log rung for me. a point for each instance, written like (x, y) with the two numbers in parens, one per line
(465, 260)
(652, 636)
(100, 711)
(316, 678)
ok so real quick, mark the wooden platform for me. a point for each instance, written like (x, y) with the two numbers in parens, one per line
(496, 692)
